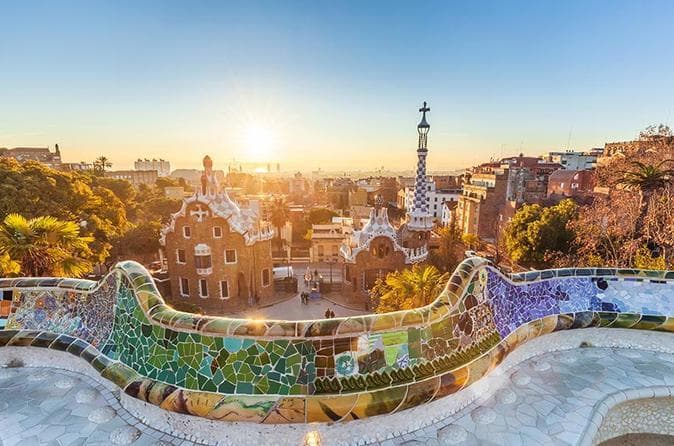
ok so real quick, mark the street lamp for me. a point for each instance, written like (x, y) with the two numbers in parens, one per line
(330, 262)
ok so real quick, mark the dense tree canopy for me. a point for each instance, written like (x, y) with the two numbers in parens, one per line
(33, 190)
(536, 233)
(112, 212)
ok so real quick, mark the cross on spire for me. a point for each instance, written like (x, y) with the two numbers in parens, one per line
(424, 109)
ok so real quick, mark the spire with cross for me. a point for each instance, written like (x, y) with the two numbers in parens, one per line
(419, 217)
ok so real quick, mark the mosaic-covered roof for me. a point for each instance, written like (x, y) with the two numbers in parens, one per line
(378, 225)
(218, 203)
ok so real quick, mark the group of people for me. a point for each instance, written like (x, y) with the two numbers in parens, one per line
(329, 314)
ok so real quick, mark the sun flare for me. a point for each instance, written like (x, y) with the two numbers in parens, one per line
(260, 143)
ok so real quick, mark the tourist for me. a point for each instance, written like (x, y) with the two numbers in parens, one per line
(327, 314)
(332, 314)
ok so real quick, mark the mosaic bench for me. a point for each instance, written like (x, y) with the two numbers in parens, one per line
(321, 370)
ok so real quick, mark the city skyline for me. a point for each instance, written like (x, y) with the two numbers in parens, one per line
(330, 86)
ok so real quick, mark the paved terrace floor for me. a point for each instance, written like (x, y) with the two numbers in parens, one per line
(546, 399)
(293, 309)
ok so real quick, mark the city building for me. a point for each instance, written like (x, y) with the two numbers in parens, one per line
(218, 254)
(174, 192)
(483, 195)
(162, 167)
(40, 154)
(358, 197)
(571, 183)
(373, 252)
(77, 167)
(573, 160)
(494, 191)
(193, 176)
(299, 186)
(379, 248)
(527, 178)
(326, 240)
(135, 177)
(436, 197)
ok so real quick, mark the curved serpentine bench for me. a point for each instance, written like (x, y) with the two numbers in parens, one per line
(321, 370)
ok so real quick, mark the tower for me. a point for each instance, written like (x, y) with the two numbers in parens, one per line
(419, 218)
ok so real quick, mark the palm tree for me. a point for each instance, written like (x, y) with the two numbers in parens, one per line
(646, 179)
(8, 267)
(45, 246)
(101, 163)
(411, 288)
(279, 215)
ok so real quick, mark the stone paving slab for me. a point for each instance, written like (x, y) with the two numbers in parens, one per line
(546, 399)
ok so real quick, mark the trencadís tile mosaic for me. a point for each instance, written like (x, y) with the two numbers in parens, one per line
(326, 370)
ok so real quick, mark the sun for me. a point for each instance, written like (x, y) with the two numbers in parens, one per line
(259, 143)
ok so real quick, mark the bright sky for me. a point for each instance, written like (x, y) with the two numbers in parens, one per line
(331, 84)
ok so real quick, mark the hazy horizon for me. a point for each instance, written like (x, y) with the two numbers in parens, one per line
(329, 85)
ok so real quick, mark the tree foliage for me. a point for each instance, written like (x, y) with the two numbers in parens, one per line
(34, 190)
(658, 130)
(319, 216)
(137, 242)
(631, 225)
(111, 211)
(45, 246)
(646, 179)
(450, 249)
(9, 267)
(409, 288)
(536, 233)
(471, 240)
(101, 164)
(279, 214)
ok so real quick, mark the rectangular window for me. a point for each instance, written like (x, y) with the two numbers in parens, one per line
(187, 232)
(224, 289)
(265, 277)
(184, 287)
(230, 255)
(202, 262)
(203, 288)
(217, 232)
(180, 256)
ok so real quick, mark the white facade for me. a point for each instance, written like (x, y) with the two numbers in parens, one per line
(436, 198)
(447, 216)
(326, 240)
(162, 167)
(573, 160)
